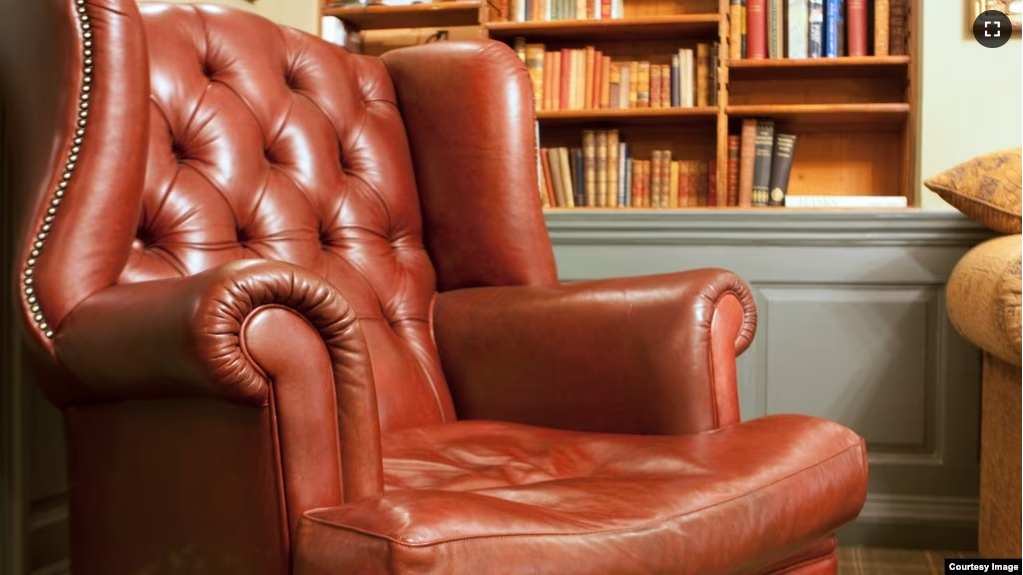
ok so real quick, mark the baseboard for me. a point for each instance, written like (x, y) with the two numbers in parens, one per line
(915, 522)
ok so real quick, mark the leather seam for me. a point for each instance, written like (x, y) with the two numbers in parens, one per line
(649, 524)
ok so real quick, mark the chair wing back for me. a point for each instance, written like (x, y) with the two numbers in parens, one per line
(198, 135)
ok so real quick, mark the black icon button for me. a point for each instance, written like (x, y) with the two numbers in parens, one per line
(992, 29)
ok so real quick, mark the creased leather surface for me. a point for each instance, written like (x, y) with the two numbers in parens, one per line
(468, 108)
(625, 355)
(267, 142)
(489, 497)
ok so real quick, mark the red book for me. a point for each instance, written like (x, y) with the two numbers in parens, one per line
(712, 182)
(856, 20)
(566, 73)
(605, 9)
(756, 30)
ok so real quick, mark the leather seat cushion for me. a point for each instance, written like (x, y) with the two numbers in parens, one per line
(493, 497)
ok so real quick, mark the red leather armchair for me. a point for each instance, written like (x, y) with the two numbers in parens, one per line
(301, 314)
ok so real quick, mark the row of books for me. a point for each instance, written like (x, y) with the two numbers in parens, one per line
(586, 79)
(603, 174)
(759, 164)
(547, 10)
(816, 28)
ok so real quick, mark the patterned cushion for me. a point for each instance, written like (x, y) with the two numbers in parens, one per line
(986, 189)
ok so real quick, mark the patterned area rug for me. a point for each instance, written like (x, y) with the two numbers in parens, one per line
(880, 561)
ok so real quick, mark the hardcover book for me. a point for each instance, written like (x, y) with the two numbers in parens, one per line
(781, 168)
(798, 32)
(815, 19)
(830, 28)
(763, 152)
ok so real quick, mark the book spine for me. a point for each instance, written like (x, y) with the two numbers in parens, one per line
(775, 29)
(627, 199)
(797, 29)
(881, 27)
(580, 177)
(655, 86)
(842, 29)
(712, 94)
(781, 167)
(702, 191)
(712, 183)
(589, 169)
(857, 19)
(565, 72)
(673, 185)
(591, 9)
(624, 85)
(634, 84)
(587, 94)
(612, 168)
(702, 60)
(733, 171)
(605, 9)
(534, 65)
(745, 31)
(735, 24)
(623, 156)
(674, 81)
(683, 184)
(643, 85)
(601, 176)
(830, 28)
(897, 14)
(656, 159)
(554, 160)
(605, 82)
(665, 86)
(747, 161)
(567, 180)
(815, 38)
(764, 146)
(580, 10)
(756, 30)
(615, 85)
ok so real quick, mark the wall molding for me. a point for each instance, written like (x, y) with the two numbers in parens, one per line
(764, 227)
(890, 508)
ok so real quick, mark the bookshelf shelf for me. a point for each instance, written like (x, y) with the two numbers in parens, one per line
(650, 28)
(630, 116)
(893, 113)
(819, 63)
(427, 15)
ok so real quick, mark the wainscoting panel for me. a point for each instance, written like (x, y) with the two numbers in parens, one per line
(851, 327)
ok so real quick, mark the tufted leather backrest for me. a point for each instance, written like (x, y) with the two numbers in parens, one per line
(266, 142)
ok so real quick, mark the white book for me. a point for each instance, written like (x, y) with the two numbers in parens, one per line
(798, 28)
(689, 85)
(846, 202)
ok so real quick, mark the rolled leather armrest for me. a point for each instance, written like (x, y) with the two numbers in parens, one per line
(182, 337)
(653, 354)
(190, 337)
(983, 297)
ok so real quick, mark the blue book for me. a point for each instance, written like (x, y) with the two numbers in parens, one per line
(815, 44)
(623, 157)
(831, 13)
(580, 190)
(628, 183)
(674, 81)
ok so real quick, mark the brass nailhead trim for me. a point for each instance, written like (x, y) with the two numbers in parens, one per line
(51, 213)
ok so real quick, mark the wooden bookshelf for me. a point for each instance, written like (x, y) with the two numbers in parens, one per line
(426, 15)
(854, 117)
